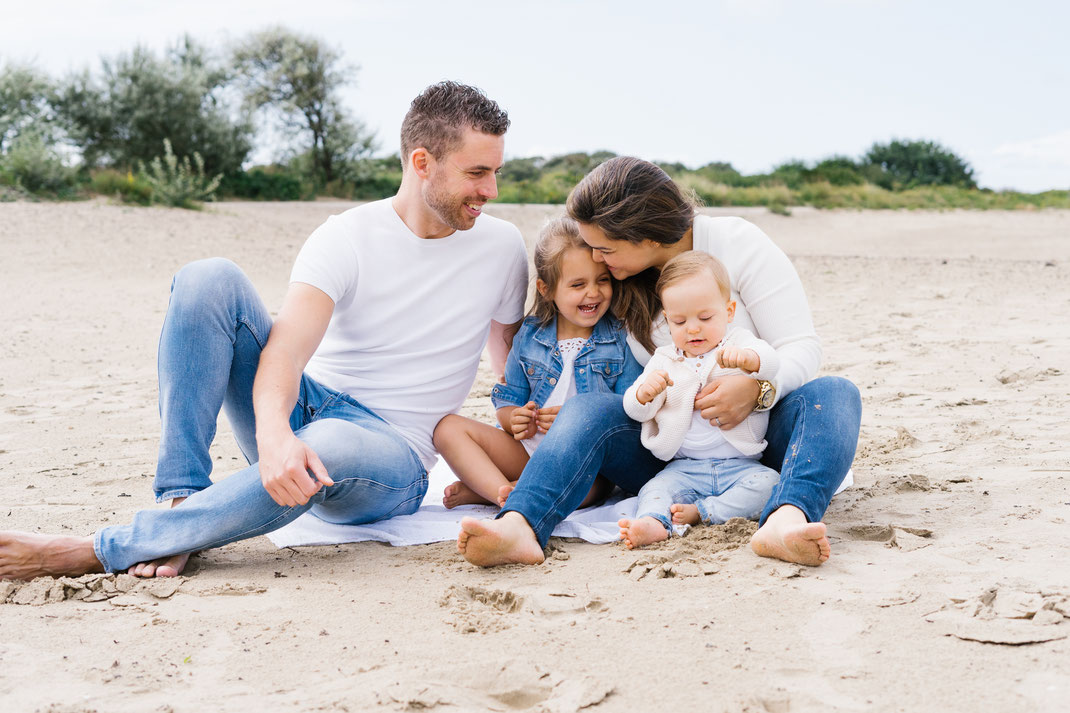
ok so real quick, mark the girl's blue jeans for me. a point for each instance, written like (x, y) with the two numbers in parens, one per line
(812, 435)
(214, 331)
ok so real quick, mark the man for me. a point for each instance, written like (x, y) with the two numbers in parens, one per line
(389, 307)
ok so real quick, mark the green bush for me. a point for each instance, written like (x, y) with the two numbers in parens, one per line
(265, 185)
(177, 183)
(909, 164)
(33, 165)
(126, 187)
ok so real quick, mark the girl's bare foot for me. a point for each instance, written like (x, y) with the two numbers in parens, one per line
(503, 493)
(641, 531)
(684, 514)
(457, 493)
(787, 535)
(507, 540)
(25, 555)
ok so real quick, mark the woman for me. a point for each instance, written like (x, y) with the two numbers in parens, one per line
(635, 219)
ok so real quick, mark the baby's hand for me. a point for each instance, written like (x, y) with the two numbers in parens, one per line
(522, 421)
(737, 358)
(657, 382)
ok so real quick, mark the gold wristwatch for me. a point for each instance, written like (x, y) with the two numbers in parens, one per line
(766, 395)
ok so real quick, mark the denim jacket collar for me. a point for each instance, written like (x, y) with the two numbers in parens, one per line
(605, 332)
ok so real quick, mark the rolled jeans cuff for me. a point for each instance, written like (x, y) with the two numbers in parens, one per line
(660, 517)
(98, 550)
(175, 493)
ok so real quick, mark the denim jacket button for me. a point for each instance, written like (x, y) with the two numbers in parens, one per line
(581, 370)
(607, 369)
(531, 370)
(552, 381)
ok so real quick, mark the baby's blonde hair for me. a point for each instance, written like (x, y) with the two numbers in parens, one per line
(691, 263)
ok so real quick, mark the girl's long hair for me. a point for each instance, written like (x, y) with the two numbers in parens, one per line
(556, 238)
(634, 200)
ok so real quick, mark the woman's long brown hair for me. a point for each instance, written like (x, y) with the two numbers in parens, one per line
(634, 200)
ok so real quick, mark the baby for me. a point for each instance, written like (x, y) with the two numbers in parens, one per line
(713, 473)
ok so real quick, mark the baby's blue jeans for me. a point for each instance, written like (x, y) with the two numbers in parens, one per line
(721, 488)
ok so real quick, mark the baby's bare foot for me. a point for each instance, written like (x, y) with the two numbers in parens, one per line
(685, 514)
(641, 531)
(457, 493)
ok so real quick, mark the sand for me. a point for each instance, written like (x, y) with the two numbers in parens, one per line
(948, 588)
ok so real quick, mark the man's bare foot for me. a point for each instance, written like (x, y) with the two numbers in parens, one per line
(457, 493)
(170, 566)
(503, 493)
(685, 514)
(642, 531)
(787, 535)
(163, 567)
(25, 555)
(507, 540)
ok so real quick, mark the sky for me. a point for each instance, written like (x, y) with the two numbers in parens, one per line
(750, 82)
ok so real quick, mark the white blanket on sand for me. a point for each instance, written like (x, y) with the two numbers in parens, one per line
(434, 523)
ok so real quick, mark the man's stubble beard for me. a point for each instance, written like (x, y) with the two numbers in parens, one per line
(449, 209)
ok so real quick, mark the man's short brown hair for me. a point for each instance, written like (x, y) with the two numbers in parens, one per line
(438, 117)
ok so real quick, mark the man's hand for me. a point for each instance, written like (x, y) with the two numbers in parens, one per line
(284, 468)
(725, 402)
(657, 382)
(545, 418)
(523, 421)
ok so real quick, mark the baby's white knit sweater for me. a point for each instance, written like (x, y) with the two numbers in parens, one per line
(667, 417)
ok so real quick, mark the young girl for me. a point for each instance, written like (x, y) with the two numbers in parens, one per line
(570, 343)
(713, 474)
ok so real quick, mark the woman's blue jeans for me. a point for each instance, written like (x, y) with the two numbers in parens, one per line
(812, 435)
(214, 331)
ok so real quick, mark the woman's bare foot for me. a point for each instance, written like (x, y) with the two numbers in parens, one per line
(25, 555)
(787, 535)
(163, 567)
(457, 493)
(507, 540)
(641, 531)
(684, 514)
(503, 493)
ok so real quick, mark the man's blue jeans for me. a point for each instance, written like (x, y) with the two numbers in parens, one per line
(812, 435)
(215, 328)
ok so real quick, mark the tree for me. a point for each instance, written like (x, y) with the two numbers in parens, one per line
(907, 164)
(297, 77)
(139, 100)
(25, 95)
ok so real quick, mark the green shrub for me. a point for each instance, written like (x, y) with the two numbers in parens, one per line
(126, 187)
(265, 185)
(33, 165)
(177, 183)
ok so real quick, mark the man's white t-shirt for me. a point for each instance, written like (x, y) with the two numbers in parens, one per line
(411, 315)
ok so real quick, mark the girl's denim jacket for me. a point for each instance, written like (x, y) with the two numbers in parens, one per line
(604, 363)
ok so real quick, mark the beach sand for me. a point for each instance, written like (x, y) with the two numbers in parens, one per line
(948, 588)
